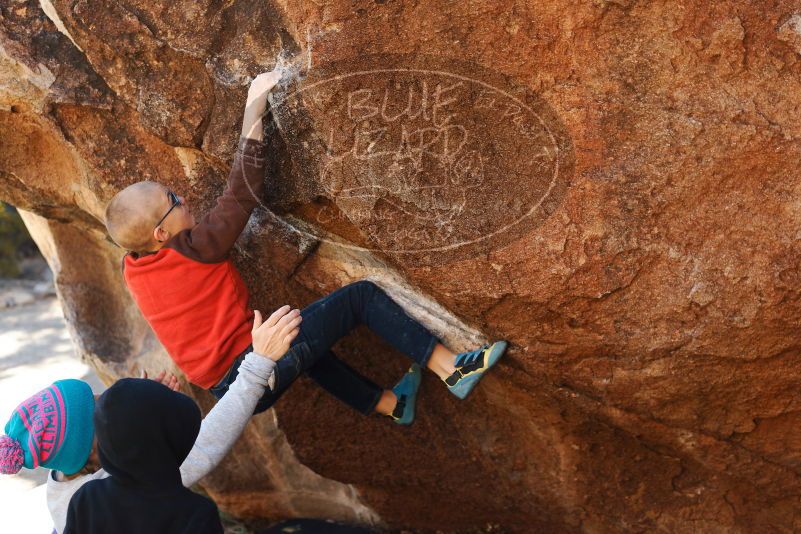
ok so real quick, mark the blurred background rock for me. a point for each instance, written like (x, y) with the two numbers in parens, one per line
(24, 274)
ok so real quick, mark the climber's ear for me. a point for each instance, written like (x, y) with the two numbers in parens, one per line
(160, 234)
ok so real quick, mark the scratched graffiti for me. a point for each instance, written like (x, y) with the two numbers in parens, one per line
(424, 159)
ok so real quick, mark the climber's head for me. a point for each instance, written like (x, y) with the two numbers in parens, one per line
(143, 216)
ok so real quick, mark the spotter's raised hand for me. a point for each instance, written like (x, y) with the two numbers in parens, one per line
(273, 337)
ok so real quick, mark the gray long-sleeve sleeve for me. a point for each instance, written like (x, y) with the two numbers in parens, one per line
(225, 422)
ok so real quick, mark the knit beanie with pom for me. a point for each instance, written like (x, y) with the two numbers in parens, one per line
(54, 428)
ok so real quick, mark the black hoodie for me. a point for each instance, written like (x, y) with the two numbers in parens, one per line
(144, 432)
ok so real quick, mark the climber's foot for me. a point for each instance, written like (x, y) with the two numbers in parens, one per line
(471, 366)
(406, 393)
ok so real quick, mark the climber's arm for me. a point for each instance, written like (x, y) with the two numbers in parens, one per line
(212, 239)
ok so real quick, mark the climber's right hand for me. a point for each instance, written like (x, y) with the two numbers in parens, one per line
(272, 338)
(263, 84)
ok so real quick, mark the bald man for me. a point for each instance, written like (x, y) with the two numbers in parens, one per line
(181, 277)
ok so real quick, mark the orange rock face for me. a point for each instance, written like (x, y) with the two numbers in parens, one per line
(612, 186)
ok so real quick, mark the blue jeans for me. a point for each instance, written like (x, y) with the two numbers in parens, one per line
(325, 321)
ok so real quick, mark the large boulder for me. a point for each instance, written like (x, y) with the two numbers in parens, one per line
(609, 185)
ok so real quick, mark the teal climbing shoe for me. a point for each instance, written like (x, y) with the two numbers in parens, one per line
(406, 393)
(471, 366)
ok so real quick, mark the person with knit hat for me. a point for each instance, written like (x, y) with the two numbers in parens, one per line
(55, 427)
(52, 429)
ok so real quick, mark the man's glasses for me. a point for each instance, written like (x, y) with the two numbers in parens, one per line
(174, 201)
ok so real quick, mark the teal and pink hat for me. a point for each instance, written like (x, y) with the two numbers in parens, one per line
(53, 428)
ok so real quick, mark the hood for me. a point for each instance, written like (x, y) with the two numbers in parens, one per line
(144, 432)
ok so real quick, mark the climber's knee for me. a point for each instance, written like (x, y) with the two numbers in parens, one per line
(366, 286)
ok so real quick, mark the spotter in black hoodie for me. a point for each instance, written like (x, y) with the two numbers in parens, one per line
(144, 432)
